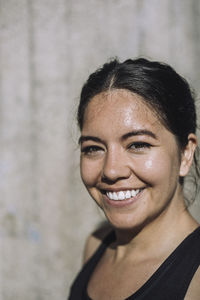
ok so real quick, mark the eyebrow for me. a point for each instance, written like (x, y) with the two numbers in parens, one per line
(139, 132)
(124, 137)
(86, 138)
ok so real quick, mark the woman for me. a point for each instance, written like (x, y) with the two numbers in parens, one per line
(138, 123)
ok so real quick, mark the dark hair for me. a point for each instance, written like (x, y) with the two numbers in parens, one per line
(161, 88)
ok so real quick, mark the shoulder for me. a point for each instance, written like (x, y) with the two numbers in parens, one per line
(194, 288)
(95, 239)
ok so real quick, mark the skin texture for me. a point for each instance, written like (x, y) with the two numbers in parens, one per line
(125, 147)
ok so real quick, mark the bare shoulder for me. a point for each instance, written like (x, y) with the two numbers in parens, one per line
(193, 292)
(95, 239)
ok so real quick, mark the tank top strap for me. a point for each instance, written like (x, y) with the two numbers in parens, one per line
(173, 277)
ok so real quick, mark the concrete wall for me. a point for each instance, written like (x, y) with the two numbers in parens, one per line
(47, 50)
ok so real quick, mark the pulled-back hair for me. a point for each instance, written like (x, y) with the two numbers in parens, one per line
(161, 87)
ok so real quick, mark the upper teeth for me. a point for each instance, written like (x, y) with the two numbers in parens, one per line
(121, 195)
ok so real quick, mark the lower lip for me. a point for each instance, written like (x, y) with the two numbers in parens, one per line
(122, 203)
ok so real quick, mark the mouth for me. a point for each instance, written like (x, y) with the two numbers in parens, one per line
(122, 195)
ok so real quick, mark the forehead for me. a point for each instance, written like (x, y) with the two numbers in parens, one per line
(120, 107)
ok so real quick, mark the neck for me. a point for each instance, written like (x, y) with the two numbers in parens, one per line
(168, 230)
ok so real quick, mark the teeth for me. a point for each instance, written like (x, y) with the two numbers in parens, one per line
(122, 194)
(133, 193)
(115, 196)
(110, 195)
(128, 194)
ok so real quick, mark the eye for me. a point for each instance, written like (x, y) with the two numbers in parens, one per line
(139, 146)
(91, 150)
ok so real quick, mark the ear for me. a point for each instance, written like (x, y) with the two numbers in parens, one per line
(188, 154)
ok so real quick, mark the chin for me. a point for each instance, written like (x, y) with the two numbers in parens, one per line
(124, 222)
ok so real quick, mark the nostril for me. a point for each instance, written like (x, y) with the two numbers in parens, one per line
(108, 180)
(112, 179)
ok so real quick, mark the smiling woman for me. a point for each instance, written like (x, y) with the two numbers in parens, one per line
(138, 122)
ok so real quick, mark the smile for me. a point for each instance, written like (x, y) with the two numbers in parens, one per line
(122, 195)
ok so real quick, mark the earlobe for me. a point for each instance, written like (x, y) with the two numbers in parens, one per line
(188, 154)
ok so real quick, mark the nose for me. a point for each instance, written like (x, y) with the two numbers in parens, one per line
(115, 167)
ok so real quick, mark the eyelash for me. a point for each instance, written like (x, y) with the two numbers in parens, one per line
(91, 150)
(139, 146)
(136, 146)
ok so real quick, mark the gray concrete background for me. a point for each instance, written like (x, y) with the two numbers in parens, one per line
(47, 50)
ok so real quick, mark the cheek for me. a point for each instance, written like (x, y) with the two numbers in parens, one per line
(152, 169)
(89, 172)
(156, 168)
(148, 164)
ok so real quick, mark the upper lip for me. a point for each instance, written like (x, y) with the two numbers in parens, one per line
(120, 189)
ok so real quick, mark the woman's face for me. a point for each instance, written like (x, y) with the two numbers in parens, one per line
(130, 163)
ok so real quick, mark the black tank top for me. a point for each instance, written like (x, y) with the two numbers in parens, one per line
(169, 282)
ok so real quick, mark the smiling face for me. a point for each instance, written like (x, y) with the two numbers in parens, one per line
(130, 163)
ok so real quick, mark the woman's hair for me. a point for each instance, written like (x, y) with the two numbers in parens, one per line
(162, 89)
